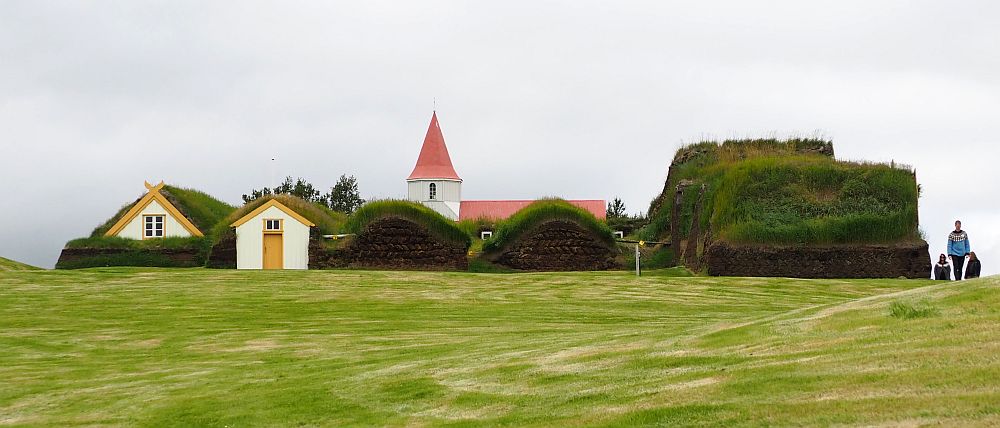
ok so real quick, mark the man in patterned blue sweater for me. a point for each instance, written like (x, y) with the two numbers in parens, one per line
(958, 249)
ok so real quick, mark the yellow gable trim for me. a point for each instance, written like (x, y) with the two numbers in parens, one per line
(153, 195)
(269, 204)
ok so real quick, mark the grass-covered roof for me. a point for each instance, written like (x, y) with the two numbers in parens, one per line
(788, 192)
(328, 221)
(435, 223)
(538, 212)
(200, 208)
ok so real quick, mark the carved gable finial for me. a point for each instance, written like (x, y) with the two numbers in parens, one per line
(153, 188)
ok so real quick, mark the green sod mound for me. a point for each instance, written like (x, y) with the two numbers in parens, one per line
(435, 223)
(541, 211)
(552, 234)
(781, 193)
(8, 265)
(395, 235)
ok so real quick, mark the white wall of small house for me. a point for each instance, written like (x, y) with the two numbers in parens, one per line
(171, 227)
(446, 201)
(250, 241)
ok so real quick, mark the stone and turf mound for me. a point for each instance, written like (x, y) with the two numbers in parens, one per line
(825, 261)
(789, 208)
(8, 265)
(552, 235)
(223, 254)
(201, 209)
(395, 234)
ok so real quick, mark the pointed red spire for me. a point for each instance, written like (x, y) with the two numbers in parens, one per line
(434, 161)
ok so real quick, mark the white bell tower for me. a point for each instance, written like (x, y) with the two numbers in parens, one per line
(434, 181)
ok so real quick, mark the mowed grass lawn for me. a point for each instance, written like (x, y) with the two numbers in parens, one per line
(331, 348)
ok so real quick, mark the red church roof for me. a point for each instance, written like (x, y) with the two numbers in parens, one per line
(499, 210)
(434, 161)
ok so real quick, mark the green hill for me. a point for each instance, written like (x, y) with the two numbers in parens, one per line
(10, 265)
(196, 347)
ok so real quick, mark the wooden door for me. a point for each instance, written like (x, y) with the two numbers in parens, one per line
(273, 251)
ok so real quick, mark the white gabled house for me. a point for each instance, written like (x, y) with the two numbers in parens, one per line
(272, 236)
(151, 217)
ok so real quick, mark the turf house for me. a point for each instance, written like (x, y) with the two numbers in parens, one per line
(167, 226)
(153, 216)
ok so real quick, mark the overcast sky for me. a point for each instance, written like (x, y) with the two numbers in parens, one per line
(538, 98)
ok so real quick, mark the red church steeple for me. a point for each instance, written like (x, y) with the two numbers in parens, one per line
(434, 161)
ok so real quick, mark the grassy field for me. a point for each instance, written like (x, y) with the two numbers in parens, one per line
(203, 347)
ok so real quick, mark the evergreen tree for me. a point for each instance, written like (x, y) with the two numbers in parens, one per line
(616, 209)
(344, 196)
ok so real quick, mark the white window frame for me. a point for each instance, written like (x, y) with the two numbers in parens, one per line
(149, 223)
(268, 222)
(432, 191)
(486, 234)
(619, 234)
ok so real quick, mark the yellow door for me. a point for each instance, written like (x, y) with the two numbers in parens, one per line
(273, 251)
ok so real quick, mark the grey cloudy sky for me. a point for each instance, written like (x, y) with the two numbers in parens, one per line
(570, 98)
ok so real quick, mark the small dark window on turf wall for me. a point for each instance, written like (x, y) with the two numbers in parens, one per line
(433, 191)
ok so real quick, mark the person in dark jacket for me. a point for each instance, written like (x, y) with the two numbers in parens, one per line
(972, 271)
(942, 270)
(958, 248)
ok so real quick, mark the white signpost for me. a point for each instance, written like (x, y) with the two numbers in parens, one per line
(638, 255)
